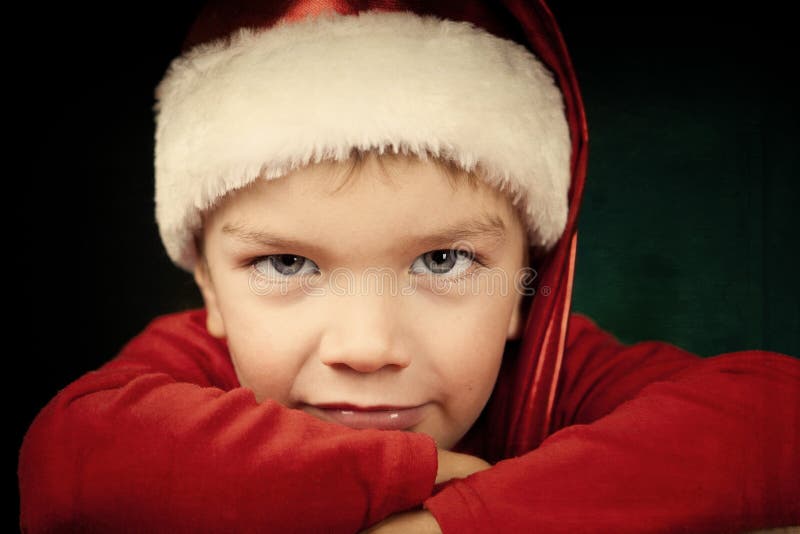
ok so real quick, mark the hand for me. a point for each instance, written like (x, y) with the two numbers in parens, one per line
(457, 465)
(414, 522)
(451, 465)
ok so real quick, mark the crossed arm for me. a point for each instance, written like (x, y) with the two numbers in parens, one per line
(647, 437)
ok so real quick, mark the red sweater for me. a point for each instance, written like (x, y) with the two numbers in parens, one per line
(651, 439)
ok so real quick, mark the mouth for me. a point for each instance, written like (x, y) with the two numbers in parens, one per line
(377, 417)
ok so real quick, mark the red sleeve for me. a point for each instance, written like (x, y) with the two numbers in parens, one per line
(654, 439)
(161, 439)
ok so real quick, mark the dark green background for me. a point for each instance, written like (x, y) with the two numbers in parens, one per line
(688, 231)
(688, 228)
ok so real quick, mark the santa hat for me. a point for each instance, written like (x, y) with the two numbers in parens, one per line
(262, 88)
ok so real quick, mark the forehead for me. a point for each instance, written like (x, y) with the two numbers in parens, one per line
(373, 185)
(412, 206)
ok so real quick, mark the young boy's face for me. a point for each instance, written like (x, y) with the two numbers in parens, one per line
(334, 302)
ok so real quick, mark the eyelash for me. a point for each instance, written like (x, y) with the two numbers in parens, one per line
(477, 260)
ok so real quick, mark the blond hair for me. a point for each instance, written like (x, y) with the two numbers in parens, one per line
(358, 158)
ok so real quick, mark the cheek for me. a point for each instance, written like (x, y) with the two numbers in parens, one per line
(469, 355)
(466, 351)
(268, 344)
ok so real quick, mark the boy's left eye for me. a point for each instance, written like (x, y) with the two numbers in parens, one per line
(440, 262)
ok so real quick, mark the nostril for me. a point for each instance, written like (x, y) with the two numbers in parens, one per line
(366, 365)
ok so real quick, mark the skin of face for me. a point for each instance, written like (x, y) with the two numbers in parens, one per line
(355, 312)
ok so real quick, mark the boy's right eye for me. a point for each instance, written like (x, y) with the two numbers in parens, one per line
(283, 265)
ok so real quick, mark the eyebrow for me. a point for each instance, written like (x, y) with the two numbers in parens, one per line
(488, 227)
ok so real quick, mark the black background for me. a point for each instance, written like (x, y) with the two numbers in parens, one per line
(90, 272)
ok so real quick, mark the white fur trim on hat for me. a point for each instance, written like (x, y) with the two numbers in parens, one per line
(263, 103)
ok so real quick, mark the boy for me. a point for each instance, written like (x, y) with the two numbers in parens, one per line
(302, 400)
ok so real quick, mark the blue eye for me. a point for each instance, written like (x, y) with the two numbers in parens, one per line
(443, 262)
(283, 265)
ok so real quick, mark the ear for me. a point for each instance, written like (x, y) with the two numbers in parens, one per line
(202, 276)
(515, 323)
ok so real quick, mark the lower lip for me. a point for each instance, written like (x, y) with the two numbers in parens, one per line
(400, 419)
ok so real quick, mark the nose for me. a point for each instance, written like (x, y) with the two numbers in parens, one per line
(361, 334)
